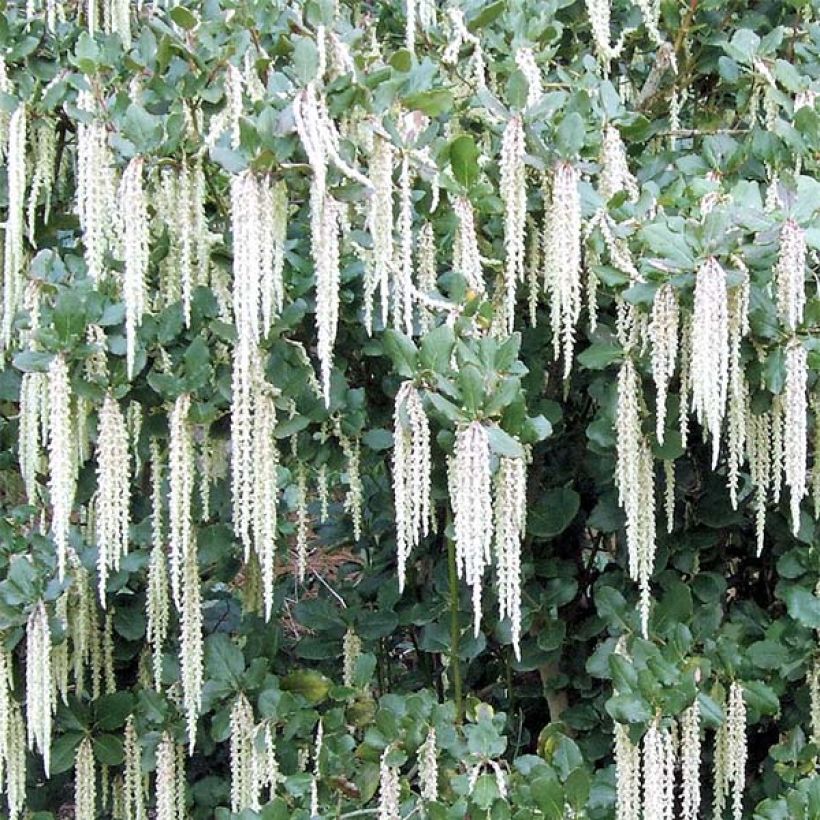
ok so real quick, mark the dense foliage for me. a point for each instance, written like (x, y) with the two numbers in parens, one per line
(410, 409)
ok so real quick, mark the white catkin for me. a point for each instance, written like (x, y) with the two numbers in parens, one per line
(351, 651)
(389, 790)
(243, 783)
(412, 465)
(795, 428)
(710, 350)
(136, 250)
(815, 472)
(181, 465)
(690, 754)
(562, 260)
(113, 491)
(738, 387)
(510, 526)
(469, 482)
(814, 700)
(759, 452)
(658, 773)
(190, 648)
(13, 249)
(615, 174)
(403, 288)
(42, 175)
(428, 766)
(525, 60)
(133, 795)
(663, 333)
(96, 188)
(61, 462)
(627, 775)
(514, 195)
(33, 418)
(380, 225)
(651, 11)
(790, 274)
(40, 694)
(157, 593)
(736, 748)
(302, 523)
(354, 498)
(166, 779)
(85, 782)
(466, 257)
(669, 493)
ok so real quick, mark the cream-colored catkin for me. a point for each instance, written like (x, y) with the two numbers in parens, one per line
(615, 174)
(274, 206)
(380, 226)
(61, 462)
(428, 766)
(157, 609)
(635, 478)
(133, 795)
(466, 256)
(44, 150)
(562, 260)
(351, 652)
(33, 435)
(113, 491)
(663, 334)
(690, 758)
(710, 350)
(627, 775)
(243, 783)
(15, 762)
(302, 523)
(13, 248)
(190, 645)
(513, 189)
(790, 274)
(96, 188)
(510, 520)
(736, 749)
(795, 427)
(389, 789)
(412, 466)
(758, 449)
(669, 493)
(181, 465)
(354, 498)
(815, 470)
(427, 273)
(85, 782)
(136, 252)
(658, 773)
(813, 679)
(40, 693)
(403, 287)
(470, 487)
(166, 786)
(60, 665)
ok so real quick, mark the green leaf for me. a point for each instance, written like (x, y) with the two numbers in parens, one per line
(803, 605)
(112, 710)
(305, 59)
(761, 697)
(485, 792)
(378, 439)
(437, 348)
(569, 137)
(69, 317)
(549, 796)
(628, 708)
(33, 361)
(108, 749)
(503, 444)
(489, 12)
(223, 658)
(553, 512)
(471, 387)
(140, 127)
(402, 352)
(184, 18)
(767, 654)
(464, 155)
(599, 355)
(63, 752)
(308, 683)
(433, 103)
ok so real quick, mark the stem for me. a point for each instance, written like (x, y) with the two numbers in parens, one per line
(455, 630)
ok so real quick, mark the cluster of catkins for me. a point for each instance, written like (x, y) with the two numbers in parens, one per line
(659, 777)
(120, 212)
